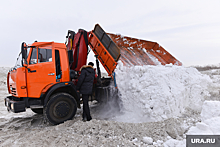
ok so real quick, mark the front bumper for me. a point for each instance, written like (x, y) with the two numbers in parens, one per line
(13, 105)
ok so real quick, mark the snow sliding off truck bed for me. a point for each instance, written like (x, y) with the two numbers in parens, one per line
(141, 52)
(46, 73)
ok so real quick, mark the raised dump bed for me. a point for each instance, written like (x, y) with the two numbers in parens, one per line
(106, 50)
(141, 52)
(131, 51)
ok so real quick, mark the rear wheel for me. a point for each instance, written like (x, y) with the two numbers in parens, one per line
(38, 110)
(61, 107)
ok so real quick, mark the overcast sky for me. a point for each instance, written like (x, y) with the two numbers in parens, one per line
(188, 29)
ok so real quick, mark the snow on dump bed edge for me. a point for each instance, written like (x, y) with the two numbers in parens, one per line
(154, 93)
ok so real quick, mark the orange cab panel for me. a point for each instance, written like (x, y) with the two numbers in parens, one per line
(17, 82)
(40, 70)
(64, 62)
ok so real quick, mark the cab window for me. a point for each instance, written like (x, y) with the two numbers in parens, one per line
(44, 55)
(33, 59)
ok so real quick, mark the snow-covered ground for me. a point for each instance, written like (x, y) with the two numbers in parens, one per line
(159, 106)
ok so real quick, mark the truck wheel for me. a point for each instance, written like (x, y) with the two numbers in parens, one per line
(61, 107)
(38, 110)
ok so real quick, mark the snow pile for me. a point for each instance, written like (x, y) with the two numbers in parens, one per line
(147, 140)
(3, 75)
(210, 117)
(210, 109)
(175, 143)
(154, 93)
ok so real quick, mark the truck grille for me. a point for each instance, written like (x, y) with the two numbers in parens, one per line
(13, 90)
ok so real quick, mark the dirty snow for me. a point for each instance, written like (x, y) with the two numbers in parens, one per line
(160, 105)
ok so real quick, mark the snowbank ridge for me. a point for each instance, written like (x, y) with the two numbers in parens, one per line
(155, 93)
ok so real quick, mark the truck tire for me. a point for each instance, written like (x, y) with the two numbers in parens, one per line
(61, 107)
(38, 110)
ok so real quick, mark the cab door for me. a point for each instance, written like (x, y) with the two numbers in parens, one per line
(40, 70)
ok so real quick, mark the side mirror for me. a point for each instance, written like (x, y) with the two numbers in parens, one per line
(24, 54)
(24, 62)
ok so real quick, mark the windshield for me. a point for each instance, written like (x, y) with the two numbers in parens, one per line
(19, 59)
(18, 62)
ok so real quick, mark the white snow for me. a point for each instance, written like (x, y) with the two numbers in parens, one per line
(175, 143)
(155, 93)
(153, 58)
(208, 113)
(210, 120)
(147, 140)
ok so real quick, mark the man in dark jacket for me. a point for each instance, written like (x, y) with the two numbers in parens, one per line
(84, 86)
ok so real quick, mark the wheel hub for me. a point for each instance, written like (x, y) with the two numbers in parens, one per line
(62, 109)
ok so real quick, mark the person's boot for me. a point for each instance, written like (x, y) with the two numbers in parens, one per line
(84, 119)
(89, 119)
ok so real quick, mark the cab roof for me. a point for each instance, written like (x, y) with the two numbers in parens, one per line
(55, 44)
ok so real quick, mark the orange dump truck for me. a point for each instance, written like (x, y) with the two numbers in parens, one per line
(45, 75)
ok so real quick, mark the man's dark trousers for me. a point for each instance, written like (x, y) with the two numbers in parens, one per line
(86, 111)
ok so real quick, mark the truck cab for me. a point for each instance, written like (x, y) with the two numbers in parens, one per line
(40, 73)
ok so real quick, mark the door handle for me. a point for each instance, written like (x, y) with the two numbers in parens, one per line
(51, 74)
(29, 70)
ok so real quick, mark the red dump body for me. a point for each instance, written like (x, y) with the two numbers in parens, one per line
(141, 52)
